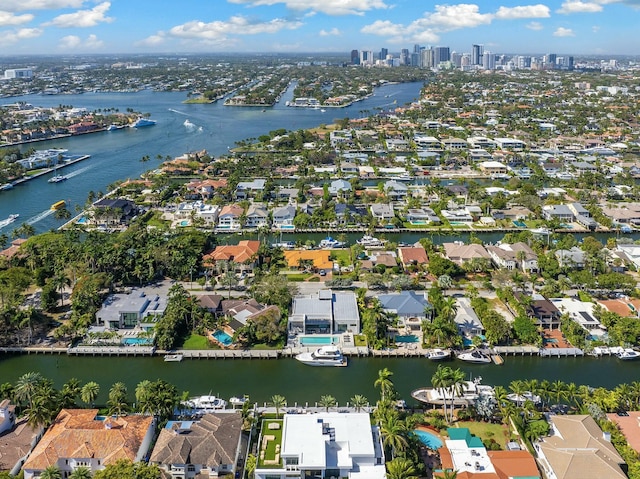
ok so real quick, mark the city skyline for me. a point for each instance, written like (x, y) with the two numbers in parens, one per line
(580, 27)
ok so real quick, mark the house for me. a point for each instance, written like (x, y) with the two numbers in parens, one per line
(283, 217)
(493, 168)
(466, 319)
(628, 424)
(189, 211)
(414, 255)
(454, 144)
(542, 311)
(388, 259)
(461, 253)
(581, 312)
(406, 304)
(338, 187)
(458, 215)
(510, 144)
(570, 258)
(17, 438)
(422, 216)
(12, 250)
(230, 217)
(205, 448)
(82, 438)
(480, 142)
(114, 211)
(325, 312)
(395, 190)
(319, 259)
(577, 447)
(243, 256)
(513, 256)
(467, 455)
(625, 307)
(324, 444)
(382, 212)
(256, 216)
(286, 194)
(246, 189)
(350, 214)
(139, 308)
(558, 212)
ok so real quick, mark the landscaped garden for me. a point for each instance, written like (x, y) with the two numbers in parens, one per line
(271, 438)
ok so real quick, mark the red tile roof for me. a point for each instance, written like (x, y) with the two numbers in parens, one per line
(245, 251)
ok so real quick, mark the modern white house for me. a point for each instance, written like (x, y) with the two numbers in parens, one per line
(283, 217)
(130, 310)
(327, 312)
(323, 445)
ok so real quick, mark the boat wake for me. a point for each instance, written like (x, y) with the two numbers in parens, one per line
(39, 216)
(77, 172)
(178, 112)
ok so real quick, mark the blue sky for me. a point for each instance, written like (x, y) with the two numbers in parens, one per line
(159, 26)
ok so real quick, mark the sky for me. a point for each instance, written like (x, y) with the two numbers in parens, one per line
(578, 27)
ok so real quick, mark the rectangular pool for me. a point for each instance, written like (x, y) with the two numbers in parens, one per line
(318, 340)
(407, 338)
(137, 341)
(222, 337)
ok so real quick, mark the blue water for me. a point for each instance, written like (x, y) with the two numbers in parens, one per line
(223, 337)
(520, 224)
(410, 338)
(317, 340)
(428, 439)
(137, 341)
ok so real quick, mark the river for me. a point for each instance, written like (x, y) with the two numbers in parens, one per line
(261, 379)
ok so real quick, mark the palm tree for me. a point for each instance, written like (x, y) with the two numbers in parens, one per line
(440, 381)
(278, 402)
(457, 383)
(394, 432)
(89, 392)
(384, 382)
(80, 473)
(69, 393)
(26, 386)
(401, 468)
(143, 395)
(117, 400)
(327, 401)
(359, 401)
(558, 390)
(448, 474)
(51, 472)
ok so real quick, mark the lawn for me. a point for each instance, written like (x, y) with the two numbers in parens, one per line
(195, 341)
(487, 431)
(270, 450)
(299, 277)
(360, 340)
(341, 256)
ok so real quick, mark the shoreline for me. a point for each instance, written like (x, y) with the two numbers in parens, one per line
(46, 171)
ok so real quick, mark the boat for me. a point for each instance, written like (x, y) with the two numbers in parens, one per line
(10, 219)
(204, 404)
(238, 401)
(168, 358)
(524, 397)
(142, 122)
(114, 127)
(284, 245)
(628, 354)
(465, 396)
(57, 179)
(187, 124)
(6, 186)
(474, 356)
(329, 242)
(438, 354)
(370, 242)
(58, 205)
(323, 356)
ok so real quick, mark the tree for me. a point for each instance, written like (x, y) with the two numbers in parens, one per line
(327, 401)
(125, 469)
(278, 402)
(117, 401)
(51, 472)
(81, 473)
(358, 402)
(384, 382)
(27, 385)
(394, 432)
(401, 468)
(89, 392)
(69, 393)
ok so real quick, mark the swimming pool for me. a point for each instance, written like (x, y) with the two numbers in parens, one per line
(520, 224)
(137, 341)
(409, 338)
(184, 223)
(429, 439)
(222, 337)
(317, 340)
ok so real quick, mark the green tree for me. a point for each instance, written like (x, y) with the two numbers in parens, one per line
(401, 468)
(384, 382)
(125, 469)
(27, 385)
(358, 402)
(80, 473)
(327, 401)
(89, 392)
(51, 472)
(278, 402)
(117, 401)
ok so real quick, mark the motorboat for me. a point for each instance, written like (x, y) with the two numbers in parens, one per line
(10, 219)
(370, 242)
(58, 205)
(57, 179)
(172, 358)
(204, 404)
(324, 356)
(238, 401)
(524, 397)
(438, 354)
(465, 396)
(187, 124)
(330, 242)
(628, 354)
(142, 122)
(474, 356)
(6, 186)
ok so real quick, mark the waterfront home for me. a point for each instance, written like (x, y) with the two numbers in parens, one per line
(283, 217)
(242, 257)
(481, 142)
(457, 215)
(422, 216)
(510, 144)
(395, 190)
(513, 213)
(387, 259)
(406, 305)
(113, 211)
(247, 189)
(82, 438)
(582, 312)
(543, 312)
(206, 448)
(138, 308)
(514, 256)
(629, 424)
(460, 253)
(454, 144)
(17, 438)
(425, 142)
(12, 250)
(230, 217)
(382, 212)
(319, 260)
(347, 213)
(204, 189)
(411, 256)
(493, 168)
(577, 447)
(625, 307)
(256, 216)
(339, 187)
(326, 312)
(573, 258)
(324, 444)
(187, 212)
(466, 319)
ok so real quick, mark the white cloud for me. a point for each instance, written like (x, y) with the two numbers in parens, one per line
(83, 18)
(74, 42)
(564, 32)
(384, 28)
(332, 32)
(329, 7)
(595, 28)
(11, 37)
(578, 6)
(525, 11)
(7, 18)
(21, 5)
(153, 40)
(453, 17)
(236, 25)
(534, 26)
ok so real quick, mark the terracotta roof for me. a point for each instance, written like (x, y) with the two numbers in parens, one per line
(244, 252)
(413, 255)
(630, 426)
(320, 258)
(231, 210)
(621, 306)
(11, 251)
(514, 464)
(16, 442)
(76, 433)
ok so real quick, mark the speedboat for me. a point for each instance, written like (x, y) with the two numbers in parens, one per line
(474, 356)
(169, 358)
(329, 242)
(57, 179)
(205, 404)
(370, 242)
(10, 219)
(187, 124)
(628, 354)
(324, 356)
(238, 401)
(524, 397)
(141, 122)
(465, 396)
(438, 354)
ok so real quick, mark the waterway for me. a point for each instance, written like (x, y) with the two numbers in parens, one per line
(116, 155)
(261, 379)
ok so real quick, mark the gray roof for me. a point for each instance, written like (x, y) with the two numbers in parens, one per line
(406, 303)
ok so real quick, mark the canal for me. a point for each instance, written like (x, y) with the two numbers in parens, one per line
(261, 379)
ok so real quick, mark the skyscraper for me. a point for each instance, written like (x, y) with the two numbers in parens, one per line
(383, 54)
(355, 57)
(488, 61)
(476, 54)
(440, 55)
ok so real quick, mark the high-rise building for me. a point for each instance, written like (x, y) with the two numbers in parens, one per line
(366, 57)
(415, 59)
(441, 55)
(456, 59)
(550, 61)
(416, 48)
(405, 58)
(476, 54)
(426, 58)
(488, 61)
(355, 57)
(383, 54)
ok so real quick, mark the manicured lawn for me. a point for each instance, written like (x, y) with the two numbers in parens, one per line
(341, 256)
(299, 277)
(487, 431)
(360, 340)
(195, 341)
(271, 448)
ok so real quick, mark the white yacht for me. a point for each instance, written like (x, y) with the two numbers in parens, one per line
(524, 397)
(10, 219)
(471, 390)
(172, 358)
(205, 404)
(628, 354)
(474, 356)
(370, 242)
(438, 354)
(330, 242)
(324, 356)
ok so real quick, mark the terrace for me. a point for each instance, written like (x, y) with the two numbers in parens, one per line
(270, 443)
